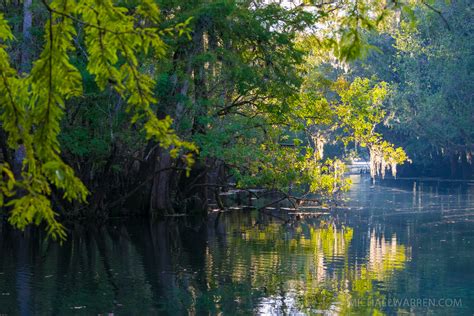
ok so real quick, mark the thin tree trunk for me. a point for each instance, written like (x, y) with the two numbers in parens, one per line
(20, 153)
(465, 167)
(27, 41)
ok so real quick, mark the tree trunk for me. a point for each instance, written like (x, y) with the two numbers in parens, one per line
(160, 199)
(20, 153)
(454, 162)
(27, 41)
(6, 154)
(199, 75)
(465, 166)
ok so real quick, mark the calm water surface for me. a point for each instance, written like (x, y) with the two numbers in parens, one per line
(399, 247)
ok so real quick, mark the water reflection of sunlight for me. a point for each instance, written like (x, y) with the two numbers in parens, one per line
(308, 268)
(385, 256)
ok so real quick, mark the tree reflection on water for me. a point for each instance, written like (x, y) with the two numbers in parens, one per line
(243, 263)
(307, 267)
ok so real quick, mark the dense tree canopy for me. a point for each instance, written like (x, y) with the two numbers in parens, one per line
(159, 106)
(434, 103)
(429, 62)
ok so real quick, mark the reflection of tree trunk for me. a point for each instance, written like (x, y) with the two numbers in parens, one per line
(91, 253)
(23, 273)
(67, 263)
(100, 236)
(159, 249)
(146, 240)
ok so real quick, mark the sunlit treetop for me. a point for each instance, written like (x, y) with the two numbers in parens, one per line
(342, 24)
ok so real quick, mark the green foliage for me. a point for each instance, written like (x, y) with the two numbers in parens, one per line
(347, 22)
(8, 183)
(433, 62)
(262, 104)
(245, 82)
(428, 61)
(33, 105)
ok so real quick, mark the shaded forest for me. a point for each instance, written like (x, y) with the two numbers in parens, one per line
(158, 107)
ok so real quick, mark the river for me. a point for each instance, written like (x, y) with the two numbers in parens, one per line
(396, 247)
